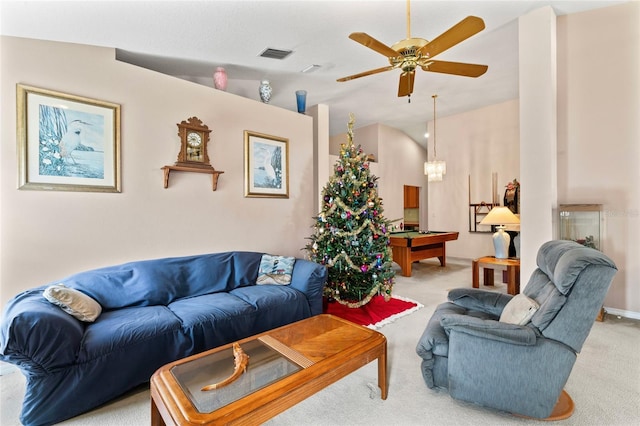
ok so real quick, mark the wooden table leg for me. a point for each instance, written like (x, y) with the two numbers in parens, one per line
(405, 262)
(382, 373)
(474, 274)
(488, 276)
(443, 258)
(156, 418)
(513, 280)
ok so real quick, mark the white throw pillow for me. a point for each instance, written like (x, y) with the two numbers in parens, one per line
(73, 302)
(519, 310)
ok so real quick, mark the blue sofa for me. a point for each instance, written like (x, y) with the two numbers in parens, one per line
(153, 312)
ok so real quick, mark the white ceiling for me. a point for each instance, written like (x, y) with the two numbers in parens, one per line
(189, 39)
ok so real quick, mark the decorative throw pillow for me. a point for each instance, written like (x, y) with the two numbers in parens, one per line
(275, 270)
(519, 310)
(73, 302)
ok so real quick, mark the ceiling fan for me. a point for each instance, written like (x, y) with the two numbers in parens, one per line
(411, 53)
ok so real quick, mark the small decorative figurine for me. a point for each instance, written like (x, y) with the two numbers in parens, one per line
(240, 360)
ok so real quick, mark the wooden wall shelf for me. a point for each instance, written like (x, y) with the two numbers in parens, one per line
(214, 173)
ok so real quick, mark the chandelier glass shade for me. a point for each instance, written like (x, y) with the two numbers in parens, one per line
(434, 169)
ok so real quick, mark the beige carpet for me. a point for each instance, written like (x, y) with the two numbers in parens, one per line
(604, 384)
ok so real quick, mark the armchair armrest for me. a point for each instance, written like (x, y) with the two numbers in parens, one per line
(489, 329)
(490, 302)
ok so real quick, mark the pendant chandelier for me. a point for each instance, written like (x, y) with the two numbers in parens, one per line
(434, 169)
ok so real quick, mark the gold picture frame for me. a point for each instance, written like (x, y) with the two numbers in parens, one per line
(67, 142)
(266, 165)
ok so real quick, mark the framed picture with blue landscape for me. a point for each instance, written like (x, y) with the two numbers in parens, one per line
(67, 142)
(266, 165)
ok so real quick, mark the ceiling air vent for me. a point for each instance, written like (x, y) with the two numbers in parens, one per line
(275, 53)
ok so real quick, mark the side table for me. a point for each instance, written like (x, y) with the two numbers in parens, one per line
(489, 263)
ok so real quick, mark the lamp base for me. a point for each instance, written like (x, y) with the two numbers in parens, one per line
(501, 242)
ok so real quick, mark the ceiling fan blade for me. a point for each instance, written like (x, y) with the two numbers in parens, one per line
(405, 88)
(457, 68)
(363, 74)
(459, 32)
(370, 42)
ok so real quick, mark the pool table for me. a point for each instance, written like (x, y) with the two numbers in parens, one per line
(409, 247)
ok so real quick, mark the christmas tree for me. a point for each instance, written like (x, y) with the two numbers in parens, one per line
(350, 233)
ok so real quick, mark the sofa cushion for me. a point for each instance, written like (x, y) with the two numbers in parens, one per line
(125, 330)
(214, 319)
(275, 306)
(269, 300)
(161, 281)
(275, 269)
(73, 302)
(519, 310)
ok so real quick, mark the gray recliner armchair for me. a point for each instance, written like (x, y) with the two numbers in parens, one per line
(521, 369)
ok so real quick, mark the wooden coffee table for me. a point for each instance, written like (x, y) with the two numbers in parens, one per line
(286, 365)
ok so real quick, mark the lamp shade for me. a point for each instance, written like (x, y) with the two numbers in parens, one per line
(500, 216)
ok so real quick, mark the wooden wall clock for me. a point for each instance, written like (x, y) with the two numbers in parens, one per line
(193, 155)
(194, 139)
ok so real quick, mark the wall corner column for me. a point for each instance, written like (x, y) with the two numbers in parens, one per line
(320, 114)
(538, 132)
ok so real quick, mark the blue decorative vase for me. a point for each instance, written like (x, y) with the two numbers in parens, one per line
(301, 100)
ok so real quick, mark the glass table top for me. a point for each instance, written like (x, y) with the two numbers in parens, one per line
(266, 366)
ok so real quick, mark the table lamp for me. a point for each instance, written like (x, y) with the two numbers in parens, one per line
(501, 216)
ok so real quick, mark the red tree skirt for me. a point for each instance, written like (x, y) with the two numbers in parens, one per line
(376, 313)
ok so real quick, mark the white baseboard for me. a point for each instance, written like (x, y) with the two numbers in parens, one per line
(623, 313)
